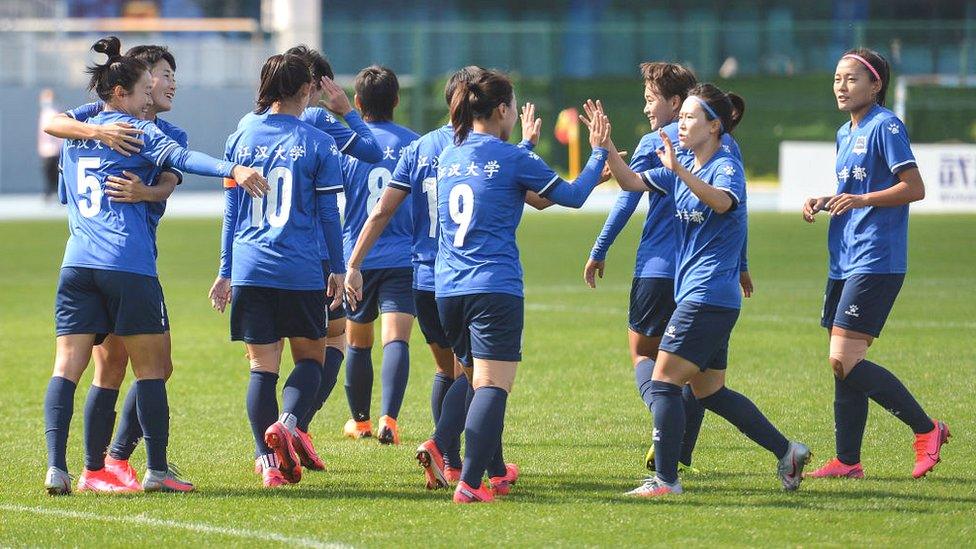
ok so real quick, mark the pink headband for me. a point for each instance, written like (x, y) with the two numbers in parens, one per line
(865, 63)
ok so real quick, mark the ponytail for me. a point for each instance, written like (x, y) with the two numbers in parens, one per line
(478, 99)
(738, 109)
(282, 77)
(118, 70)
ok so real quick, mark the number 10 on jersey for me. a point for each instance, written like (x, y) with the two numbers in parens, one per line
(275, 206)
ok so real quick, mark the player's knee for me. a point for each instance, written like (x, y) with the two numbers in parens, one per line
(845, 353)
(495, 375)
(168, 369)
(337, 341)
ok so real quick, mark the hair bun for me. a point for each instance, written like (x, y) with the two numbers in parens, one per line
(111, 47)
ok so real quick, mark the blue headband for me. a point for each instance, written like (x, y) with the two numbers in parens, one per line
(709, 111)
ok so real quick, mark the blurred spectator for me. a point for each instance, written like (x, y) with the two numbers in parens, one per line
(48, 147)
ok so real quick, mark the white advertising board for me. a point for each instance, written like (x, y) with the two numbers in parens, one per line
(806, 168)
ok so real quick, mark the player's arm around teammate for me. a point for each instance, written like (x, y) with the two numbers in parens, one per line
(877, 178)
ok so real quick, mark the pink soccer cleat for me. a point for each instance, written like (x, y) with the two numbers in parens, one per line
(432, 460)
(466, 494)
(928, 448)
(306, 452)
(103, 481)
(836, 468)
(124, 472)
(279, 439)
(503, 485)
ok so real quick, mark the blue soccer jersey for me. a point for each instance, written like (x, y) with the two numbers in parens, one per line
(364, 184)
(657, 246)
(416, 173)
(275, 238)
(872, 240)
(112, 235)
(481, 186)
(174, 132)
(710, 244)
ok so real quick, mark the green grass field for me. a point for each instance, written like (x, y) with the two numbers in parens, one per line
(575, 424)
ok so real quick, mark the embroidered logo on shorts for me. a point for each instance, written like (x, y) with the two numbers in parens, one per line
(657, 435)
(853, 310)
(671, 331)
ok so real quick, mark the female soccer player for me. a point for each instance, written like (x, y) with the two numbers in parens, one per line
(416, 174)
(482, 183)
(386, 272)
(877, 177)
(105, 472)
(270, 258)
(108, 278)
(357, 141)
(666, 86)
(710, 220)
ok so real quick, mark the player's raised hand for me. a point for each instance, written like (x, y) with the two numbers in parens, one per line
(336, 289)
(334, 97)
(605, 175)
(599, 126)
(250, 180)
(812, 206)
(121, 137)
(593, 268)
(220, 294)
(531, 126)
(354, 287)
(127, 189)
(669, 158)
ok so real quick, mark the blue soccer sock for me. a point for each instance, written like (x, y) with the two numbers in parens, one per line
(669, 426)
(883, 387)
(396, 371)
(442, 382)
(58, 409)
(850, 418)
(642, 379)
(300, 391)
(99, 420)
(262, 407)
(153, 407)
(738, 410)
(694, 415)
(359, 380)
(496, 467)
(330, 374)
(482, 432)
(450, 425)
(129, 431)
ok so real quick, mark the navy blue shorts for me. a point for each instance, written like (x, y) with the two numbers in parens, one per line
(429, 319)
(384, 291)
(264, 315)
(861, 303)
(340, 311)
(700, 334)
(651, 305)
(102, 302)
(486, 326)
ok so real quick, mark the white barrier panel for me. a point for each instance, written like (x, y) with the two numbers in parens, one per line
(949, 171)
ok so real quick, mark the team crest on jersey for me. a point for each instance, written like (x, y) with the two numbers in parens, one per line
(860, 145)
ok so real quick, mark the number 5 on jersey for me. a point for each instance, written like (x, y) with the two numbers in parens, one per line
(461, 206)
(275, 206)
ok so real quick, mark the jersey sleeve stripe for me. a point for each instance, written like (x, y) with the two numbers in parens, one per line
(348, 143)
(900, 164)
(549, 186)
(329, 189)
(401, 186)
(652, 185)
(161, 158)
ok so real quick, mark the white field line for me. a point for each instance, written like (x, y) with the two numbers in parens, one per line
(198, 527)
(797, 319)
